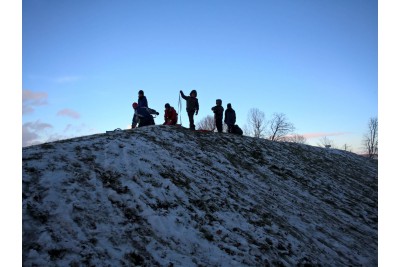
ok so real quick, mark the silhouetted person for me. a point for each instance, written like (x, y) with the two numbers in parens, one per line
(230, 117)
(218, 114)
(170, 115)
(192, 106)
(143, 116)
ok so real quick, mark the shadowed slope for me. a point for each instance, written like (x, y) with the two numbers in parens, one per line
(167, 196)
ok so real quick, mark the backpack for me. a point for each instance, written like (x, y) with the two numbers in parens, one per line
(237, 130)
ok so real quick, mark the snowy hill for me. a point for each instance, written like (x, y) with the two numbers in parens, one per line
(167, 196)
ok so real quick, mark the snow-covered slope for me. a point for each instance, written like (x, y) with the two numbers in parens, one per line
(168, 196)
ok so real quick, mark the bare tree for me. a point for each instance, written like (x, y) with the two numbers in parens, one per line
(371, 138)
(347, 147)
(257, 123)
(326, 142)
(295, 138)
(246, 130)
(279, 127)
(207, 123)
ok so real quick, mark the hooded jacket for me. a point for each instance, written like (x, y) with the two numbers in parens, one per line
(142, 102)
(218, 112)
(192, 104)
(230, 116)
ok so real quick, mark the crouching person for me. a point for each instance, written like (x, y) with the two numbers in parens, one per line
(170, 115)
(144, 115)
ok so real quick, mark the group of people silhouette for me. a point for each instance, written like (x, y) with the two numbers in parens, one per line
(143, 115)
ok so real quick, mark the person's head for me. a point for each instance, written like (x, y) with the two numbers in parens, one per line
(218, 102)
(167, 106)
(141, 93)
(134, 105)
(193, 93)
(229, 105)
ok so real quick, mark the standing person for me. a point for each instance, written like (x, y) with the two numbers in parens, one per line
(142, 103)
(170, 115)
(192, 106)
(142, 100)
(230, 117)
(218, 114)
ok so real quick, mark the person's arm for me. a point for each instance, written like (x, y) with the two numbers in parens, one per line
(225, 116)
(134, 120)
(197, 106)
(152, 111)
(183, 95)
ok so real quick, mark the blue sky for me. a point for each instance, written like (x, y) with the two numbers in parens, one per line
(83, 63)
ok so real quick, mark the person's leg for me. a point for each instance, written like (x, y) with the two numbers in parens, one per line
(219, 125)
(191, 120)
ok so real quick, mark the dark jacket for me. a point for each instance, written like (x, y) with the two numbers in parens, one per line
(218, 112)
(142, 102)
(144, 116)
(145, 112)
(230, 116)
(192, 104)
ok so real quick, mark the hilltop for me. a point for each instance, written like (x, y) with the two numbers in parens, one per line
(168, 196)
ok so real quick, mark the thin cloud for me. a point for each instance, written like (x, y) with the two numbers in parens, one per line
(319, 135)
(35, 133)
(32, 132)
(31, 99)
(78, 129)
(60, 79)
(57, 137)
(67, 79)
(69, 113)
(67, 128)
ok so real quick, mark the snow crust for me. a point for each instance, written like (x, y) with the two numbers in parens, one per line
(168, 196)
